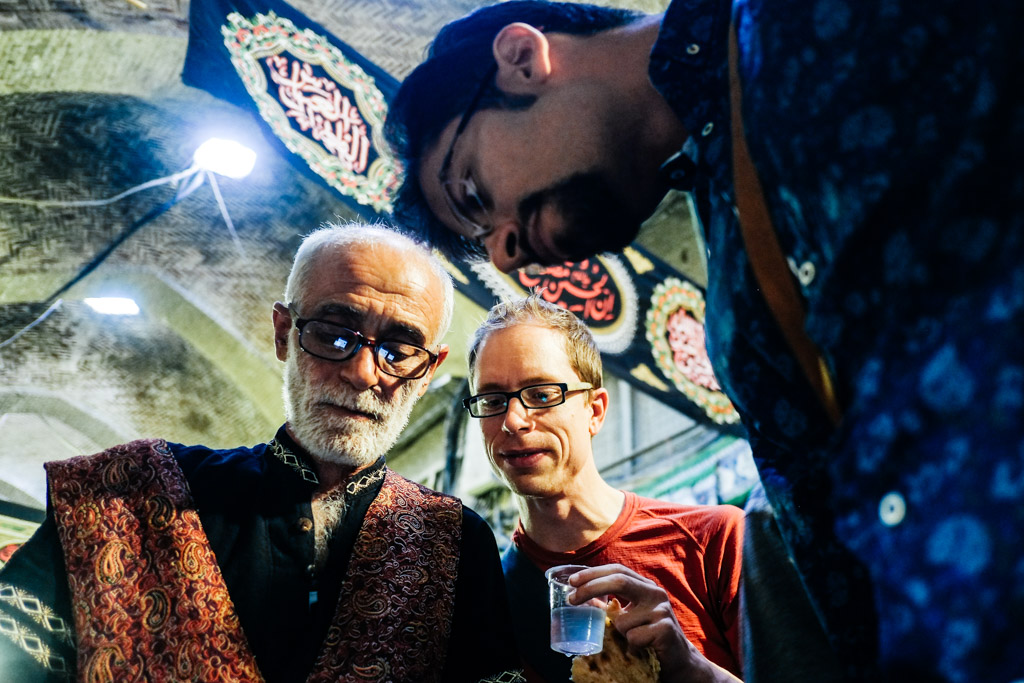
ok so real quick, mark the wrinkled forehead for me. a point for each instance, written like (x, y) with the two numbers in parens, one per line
(522, 353)
(380, 285)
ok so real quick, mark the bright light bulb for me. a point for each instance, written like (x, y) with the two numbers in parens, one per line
(225, 157)
(113, 305)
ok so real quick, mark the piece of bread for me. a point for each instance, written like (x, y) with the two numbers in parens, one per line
(615, 663)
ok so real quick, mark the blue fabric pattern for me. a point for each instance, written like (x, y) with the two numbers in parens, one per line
(888, 135)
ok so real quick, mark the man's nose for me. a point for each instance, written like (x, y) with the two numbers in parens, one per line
(360, 370)
(505, 247)
(517, 417)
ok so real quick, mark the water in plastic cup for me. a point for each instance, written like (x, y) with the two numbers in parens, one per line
(575, 629)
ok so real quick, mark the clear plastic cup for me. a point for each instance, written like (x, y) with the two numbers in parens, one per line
(575, 629)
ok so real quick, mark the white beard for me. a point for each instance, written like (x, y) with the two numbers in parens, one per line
(335, 439)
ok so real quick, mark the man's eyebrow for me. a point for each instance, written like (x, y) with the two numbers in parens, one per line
(338, 311)
(401, 331)
(491, 387)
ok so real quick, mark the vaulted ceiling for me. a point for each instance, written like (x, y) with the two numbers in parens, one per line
(91, 105)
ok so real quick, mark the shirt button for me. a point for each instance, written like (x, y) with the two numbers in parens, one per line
(692, 49)
(892, 509)
(708, 127)
(805, 274)
(304, 525)
(311, 571)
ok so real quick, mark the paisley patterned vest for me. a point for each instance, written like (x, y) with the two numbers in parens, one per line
(150, 603)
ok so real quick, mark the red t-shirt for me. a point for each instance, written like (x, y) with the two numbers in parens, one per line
(692, 551)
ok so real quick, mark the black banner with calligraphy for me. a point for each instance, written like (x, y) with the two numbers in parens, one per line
(320, 102)
(647, 319)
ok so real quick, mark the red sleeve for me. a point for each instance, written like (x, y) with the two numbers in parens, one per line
(722, 560)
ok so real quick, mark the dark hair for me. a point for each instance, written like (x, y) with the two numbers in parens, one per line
(440, 88)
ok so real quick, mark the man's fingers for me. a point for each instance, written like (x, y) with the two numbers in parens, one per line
(641, 616)
(592, 573)
(630, 588)
(644, 635)
(666, 638)
(626, 588)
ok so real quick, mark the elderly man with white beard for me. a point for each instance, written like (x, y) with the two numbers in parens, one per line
(301, 559)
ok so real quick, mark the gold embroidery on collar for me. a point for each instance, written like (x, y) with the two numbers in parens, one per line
(366, 481)
(25, 638)
(293, 461)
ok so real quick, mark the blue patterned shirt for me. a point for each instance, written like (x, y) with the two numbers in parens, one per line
(888, 136)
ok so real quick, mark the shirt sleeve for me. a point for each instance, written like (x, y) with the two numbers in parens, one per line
(783, 639)
(482, 645)
(722, 562)
(36, 628)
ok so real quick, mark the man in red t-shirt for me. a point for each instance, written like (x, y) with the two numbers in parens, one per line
(675, 567)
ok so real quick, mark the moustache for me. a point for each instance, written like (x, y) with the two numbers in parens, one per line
(365, 402)
(597, 214)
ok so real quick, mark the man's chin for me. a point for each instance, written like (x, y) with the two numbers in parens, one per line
(336, 448)
(527, 486)
(341, 454)
(347, 441)
(585, 243)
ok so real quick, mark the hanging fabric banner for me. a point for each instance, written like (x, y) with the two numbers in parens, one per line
(647, 320)
(320, 102)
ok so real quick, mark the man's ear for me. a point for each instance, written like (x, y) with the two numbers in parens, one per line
(524, 61)
(598, 409)
(282, 330)
(442, 353)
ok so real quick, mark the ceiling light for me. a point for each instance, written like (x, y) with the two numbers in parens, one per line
(225, 157)
(113, 305)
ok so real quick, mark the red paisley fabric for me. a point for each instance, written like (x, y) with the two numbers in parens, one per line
(394, 615)
(149, 601)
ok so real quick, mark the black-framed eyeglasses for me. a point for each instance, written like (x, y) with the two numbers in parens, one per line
(471, 197)
(333, 342)
(534, 396)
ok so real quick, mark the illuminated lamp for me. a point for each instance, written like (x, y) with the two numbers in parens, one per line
(113, 305)
(225, 157)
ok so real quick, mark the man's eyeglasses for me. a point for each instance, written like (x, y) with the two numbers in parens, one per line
(465, 186)
(535, 396)
(329, 341)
